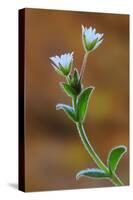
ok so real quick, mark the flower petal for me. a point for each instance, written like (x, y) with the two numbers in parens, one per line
(55, 60)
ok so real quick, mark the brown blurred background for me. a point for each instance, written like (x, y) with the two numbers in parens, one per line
(54, 152)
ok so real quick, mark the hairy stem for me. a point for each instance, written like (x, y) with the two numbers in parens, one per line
(83, 65)
(116, 180)
(74, 101)
(89, 148)
(94, 156)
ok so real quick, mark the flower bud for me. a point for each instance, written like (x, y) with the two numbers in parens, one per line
(74, 81)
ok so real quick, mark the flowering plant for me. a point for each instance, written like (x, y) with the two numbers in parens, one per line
(80, 96)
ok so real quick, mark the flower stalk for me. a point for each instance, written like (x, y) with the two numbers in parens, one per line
(83, 65)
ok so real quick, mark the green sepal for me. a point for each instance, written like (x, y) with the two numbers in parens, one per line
(114, 157)
(92, 45)
(68, 89)
(82, 104)
(68, 110)
(58, 70)
(92, 173)
(84, 43)
(64, 70)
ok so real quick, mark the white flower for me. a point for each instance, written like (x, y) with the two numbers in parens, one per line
(63, 63)
(91, 40)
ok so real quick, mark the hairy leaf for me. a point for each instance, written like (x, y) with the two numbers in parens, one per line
(115, 156)
(83, 103)
(92, 173)
(68, 89)
(68, 110)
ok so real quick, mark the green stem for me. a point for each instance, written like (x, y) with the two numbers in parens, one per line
(89, 148)
(94, 156)
(74, 100)
(116, 180)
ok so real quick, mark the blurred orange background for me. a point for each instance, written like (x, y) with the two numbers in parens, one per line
(53, 150)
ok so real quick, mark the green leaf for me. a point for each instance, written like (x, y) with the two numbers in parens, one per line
(115, 156)
(92, 173)
(68, 110)
(83, 103)
(68, 89)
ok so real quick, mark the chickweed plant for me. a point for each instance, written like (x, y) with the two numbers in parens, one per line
(80, 96)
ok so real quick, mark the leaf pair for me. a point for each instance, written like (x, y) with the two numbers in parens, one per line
(113, 160)
(77, 115)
